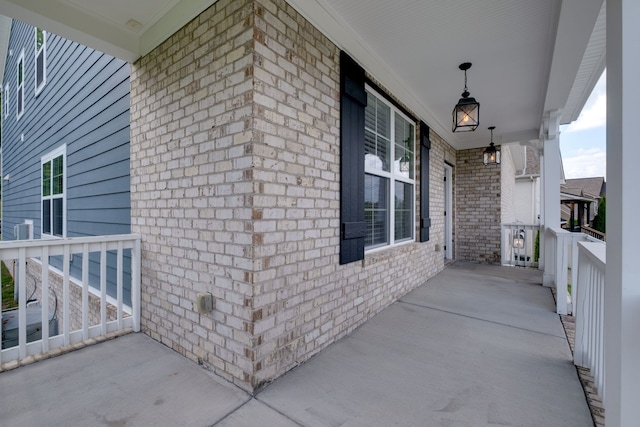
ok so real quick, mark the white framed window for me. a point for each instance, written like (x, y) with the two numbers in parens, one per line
(20, 86)
(53, 179)
(389, 174)
(40, 58)
(6, 101)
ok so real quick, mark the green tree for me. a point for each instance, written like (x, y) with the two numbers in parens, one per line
(600, 220)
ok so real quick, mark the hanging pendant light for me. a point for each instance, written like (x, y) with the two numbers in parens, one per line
(491, 153)
(466, 113)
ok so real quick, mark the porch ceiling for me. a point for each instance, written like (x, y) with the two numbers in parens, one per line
(529, 57)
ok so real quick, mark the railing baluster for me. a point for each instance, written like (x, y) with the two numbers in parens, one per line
(22, 303)
(574, 270)
(589, 312)
(85, 291)
(561, 273)
(592, 320)
(600, 376)
(136, 261)
(119, 283)
(578, 308)
(66, 296)
(44, 318)
(594, 317)
(103, 288)
(518, 244)
(94, 300)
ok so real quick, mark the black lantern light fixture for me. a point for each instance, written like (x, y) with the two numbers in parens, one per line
(518, 239)
(491, 153)
(466, 113)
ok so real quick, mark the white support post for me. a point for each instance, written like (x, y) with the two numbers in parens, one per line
(551, 191)
(541, 220)
(622, 290)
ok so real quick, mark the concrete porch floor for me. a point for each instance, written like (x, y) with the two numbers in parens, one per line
(476, 345)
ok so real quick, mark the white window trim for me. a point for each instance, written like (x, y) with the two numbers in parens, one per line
(62, 150)
(43, 48)
(20, 94)
(6, 101)
(392, 176)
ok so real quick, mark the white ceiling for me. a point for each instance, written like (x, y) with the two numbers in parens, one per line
(529, 57)
(105, 24)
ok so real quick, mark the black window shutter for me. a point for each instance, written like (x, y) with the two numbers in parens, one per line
(425, 147)
(353, 100)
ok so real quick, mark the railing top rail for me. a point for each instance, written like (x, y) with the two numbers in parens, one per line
(595, 251)
(520, 224)
(16, 244)
(593, 239)
(557, 231)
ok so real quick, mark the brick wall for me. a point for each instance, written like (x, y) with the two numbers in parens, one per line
(235, 190)
(192, 187)
(477, 208)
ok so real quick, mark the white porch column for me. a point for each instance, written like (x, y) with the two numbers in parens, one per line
(550, 191)
(622, 290)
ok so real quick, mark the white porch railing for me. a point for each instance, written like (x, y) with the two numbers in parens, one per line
(589, 311)
(565, 259)
(518, 244)
(37, 253)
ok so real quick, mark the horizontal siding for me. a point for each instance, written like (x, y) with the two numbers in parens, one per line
(118, 201)
(85, 105)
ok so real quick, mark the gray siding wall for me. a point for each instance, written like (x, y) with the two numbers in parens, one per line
(85, 105)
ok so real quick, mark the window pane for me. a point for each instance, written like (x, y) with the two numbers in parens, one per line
(57, 217)
(377, 134)
(40, 69)
(46, 179)
(375, 156)
(39, 38)
(376, 210)
(20, 99)
(20, 64)
(46, 216)
(57, 175)
(403, 211)
(404, 147)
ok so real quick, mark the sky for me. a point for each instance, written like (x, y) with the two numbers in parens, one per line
(583, 142)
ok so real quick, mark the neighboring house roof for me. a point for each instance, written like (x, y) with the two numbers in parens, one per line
(580, 190)
(5, 29)
(594, 187)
